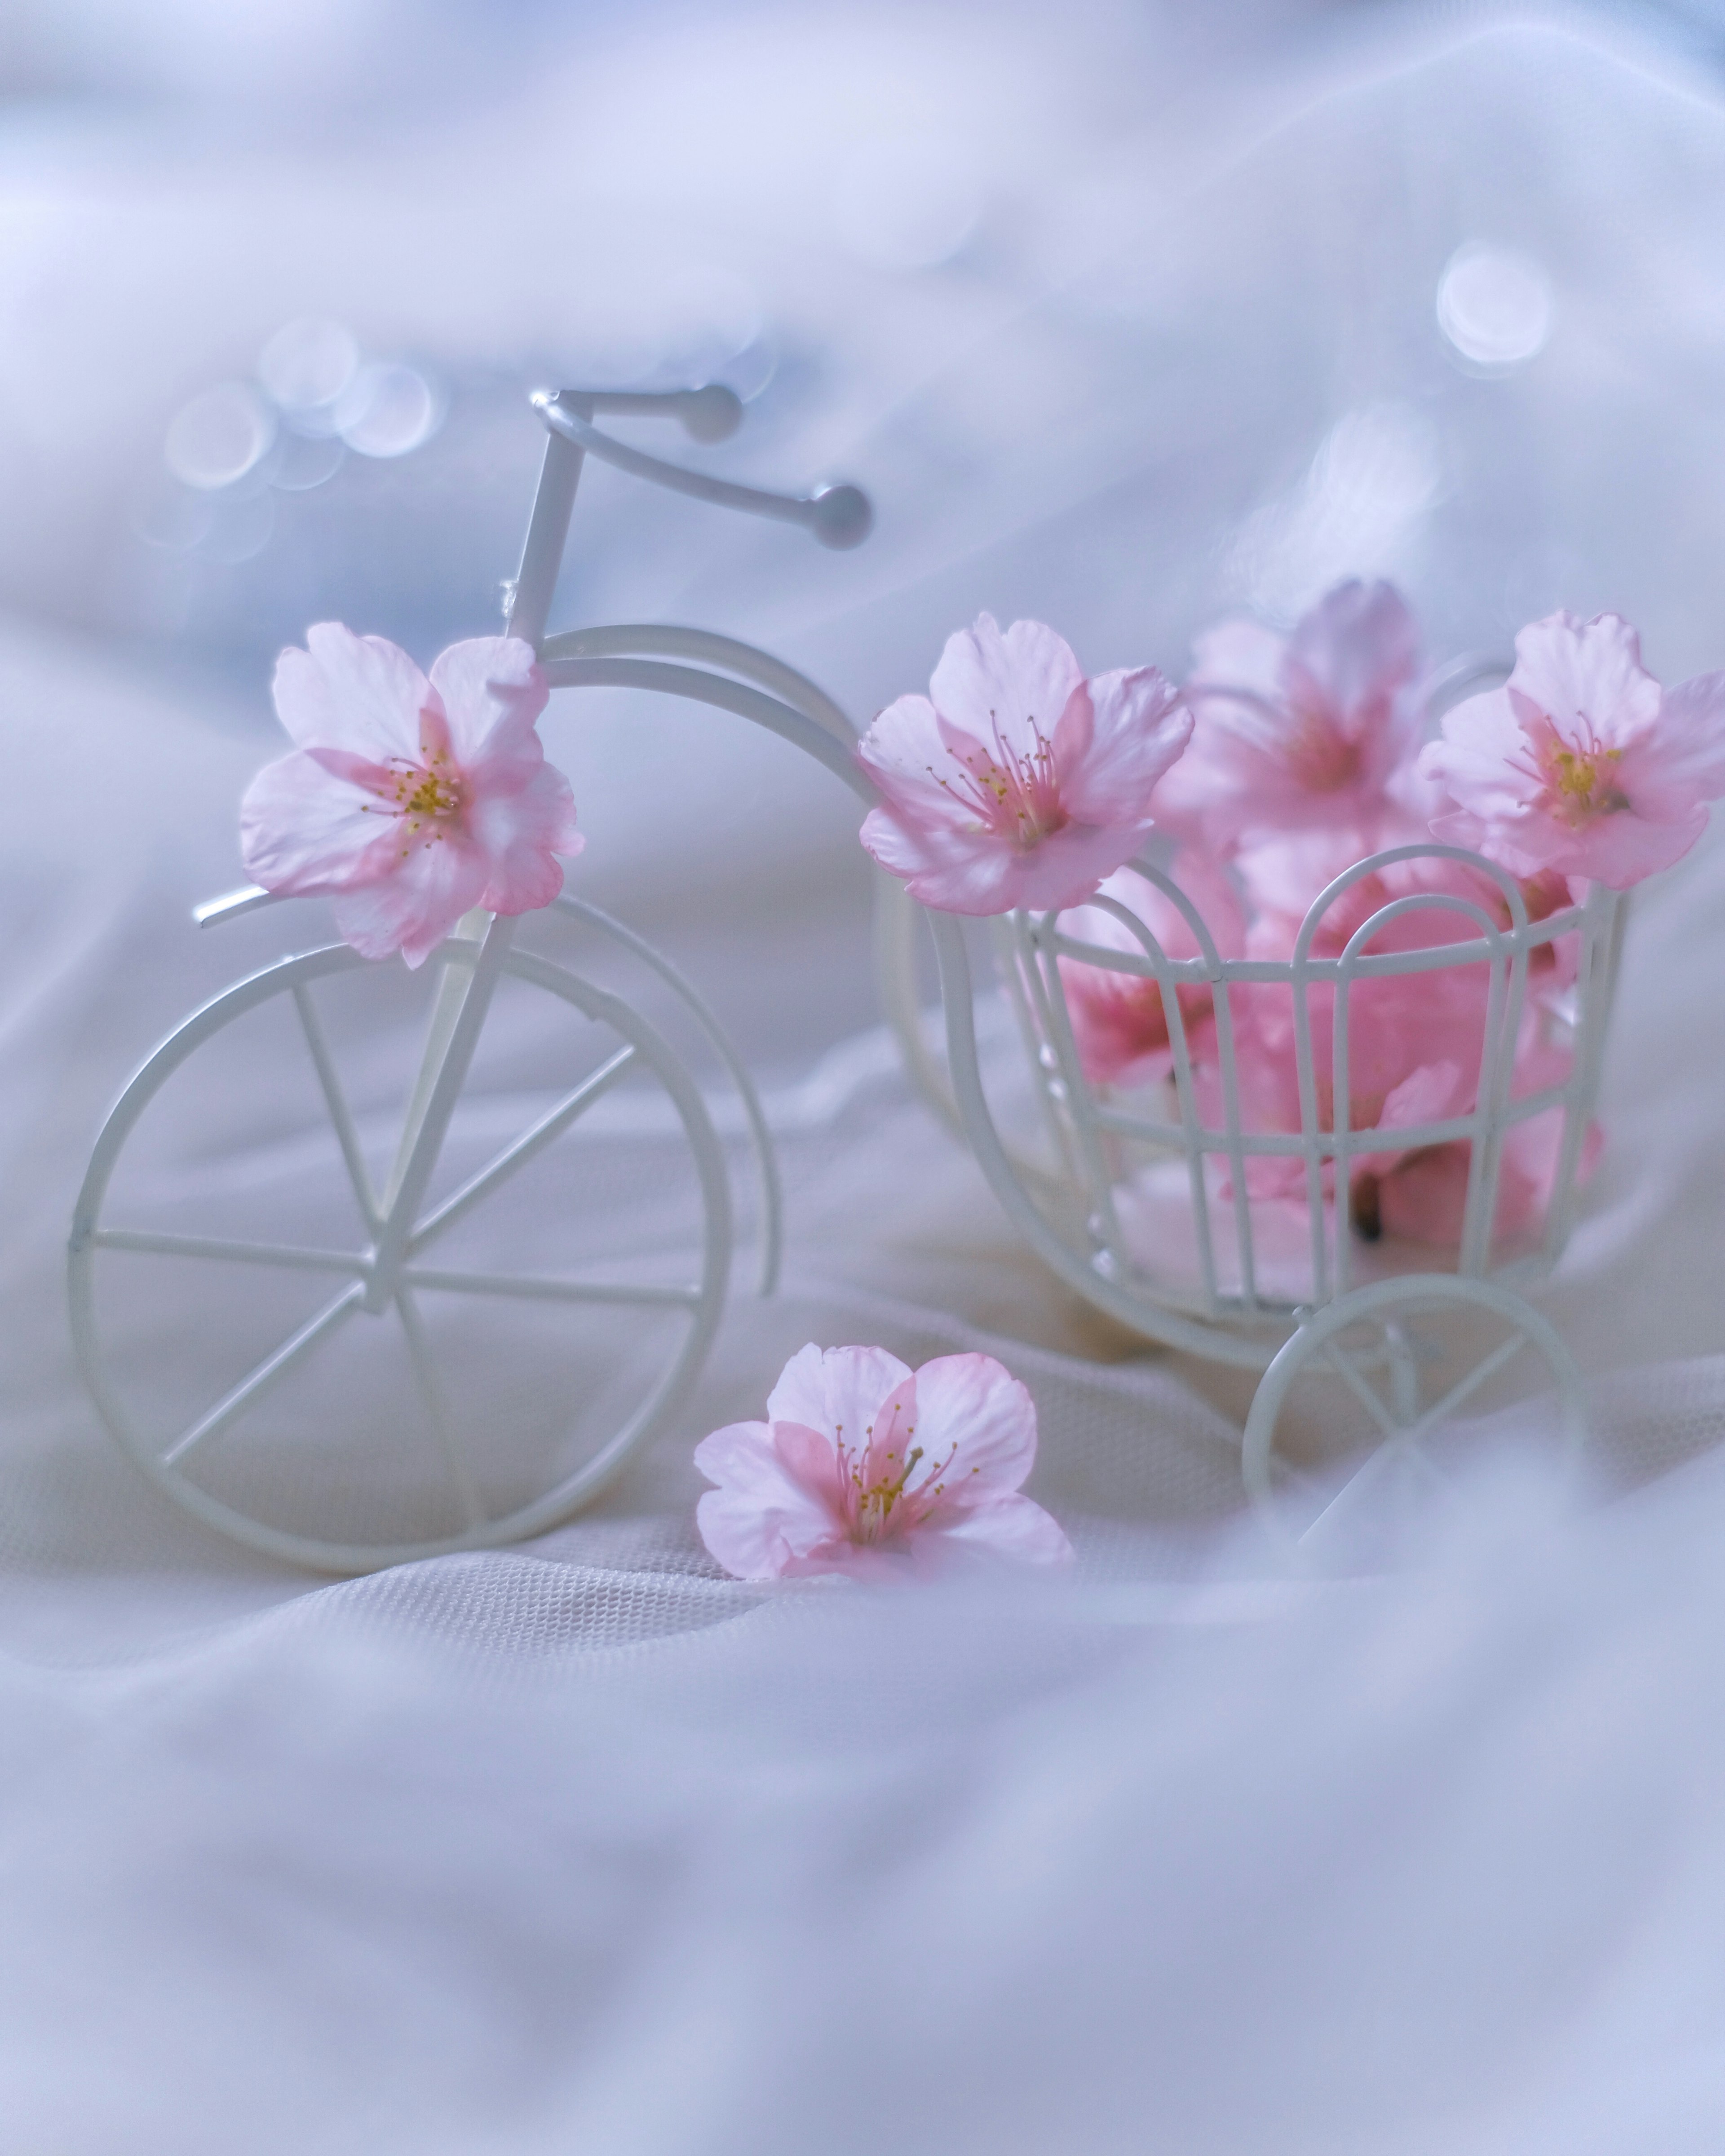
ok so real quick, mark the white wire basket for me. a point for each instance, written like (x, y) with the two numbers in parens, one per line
(1257, 1242)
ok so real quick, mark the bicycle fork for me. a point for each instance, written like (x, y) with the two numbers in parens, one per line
(470, 970)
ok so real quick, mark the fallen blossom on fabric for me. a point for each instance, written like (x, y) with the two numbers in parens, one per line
(409, 801)
(1120, 1027)
(1016, 782)
(1313, 729)
(867, 1468)
(1581, 763)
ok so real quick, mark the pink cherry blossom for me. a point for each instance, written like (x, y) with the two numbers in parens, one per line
(1399, 1024)
(1314, 729)
(1119, 1026)
(1016, 782)
(864, 1467)
(1420, 1196)
(409, 801)
(1581, 763)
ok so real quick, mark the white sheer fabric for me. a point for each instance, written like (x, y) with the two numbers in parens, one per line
(586, 1846)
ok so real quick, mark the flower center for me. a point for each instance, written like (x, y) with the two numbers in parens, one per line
(435, 795)
(428, 798)
(1321, 757)
(1584, 784)
(1015, 797)
(1581, 782)
(879, 1498)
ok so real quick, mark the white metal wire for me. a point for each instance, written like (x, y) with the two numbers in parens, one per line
(1404, 1420)
(1325, 1144)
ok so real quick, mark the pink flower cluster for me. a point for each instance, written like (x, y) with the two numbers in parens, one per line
(1282, 762)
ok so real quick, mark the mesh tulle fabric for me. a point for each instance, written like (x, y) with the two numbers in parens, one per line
(580, 1843)
(583, 1842)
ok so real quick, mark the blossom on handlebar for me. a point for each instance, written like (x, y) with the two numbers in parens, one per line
(409, 801)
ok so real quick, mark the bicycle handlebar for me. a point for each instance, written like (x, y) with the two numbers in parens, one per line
(838, 517)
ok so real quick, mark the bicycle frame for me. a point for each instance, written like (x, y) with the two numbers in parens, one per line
(692, 663)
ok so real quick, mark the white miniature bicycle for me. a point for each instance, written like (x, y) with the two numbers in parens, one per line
(482, 1367)
(394, 1358)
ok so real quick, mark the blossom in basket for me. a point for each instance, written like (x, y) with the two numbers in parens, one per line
(1420, 1196)
(1581, 763)
(1120, 1026)
(1416, 1041)
(1398, 1023)
(1015, 781)
(865, 1467)
(1313, 729)
(409, 801)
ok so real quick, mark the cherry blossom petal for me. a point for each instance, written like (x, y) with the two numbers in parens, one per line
(995, 795)
(1014, 684)
(521, 834)
(1424, 1199)
(1120, 1027)
(1357, 647)
(1526, 844)
(1010, 1525)
(493, 691)
(415, 907)
(1239, 653)
(759, 1522)
(965, 878)
(970, 1406)
(355, 692)
(1066, 869)
(1478, 760)
(1431, 1094)
(1284, 872)
(1138, 728)
(900, 752)
(1687, 764)
(838, 1390)
(941, 868)
(303, 827)
(1579, 764)
(814, 1462)
(742, 1455)
(1318, 732)
(1586, 673)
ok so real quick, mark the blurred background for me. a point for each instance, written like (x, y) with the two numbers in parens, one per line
(1125, 312)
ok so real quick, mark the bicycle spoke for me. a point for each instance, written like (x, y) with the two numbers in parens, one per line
(1438, 1476)
(550, 1126)
(531, 1289)
(1475, 1379)
(1372, 1469)
(346, 1136)
(437, 1409)
(290, 1255)
(276, 1366)
(1357, 1384)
